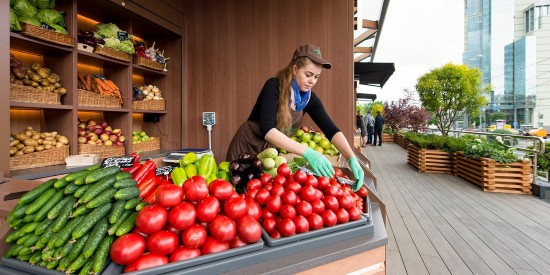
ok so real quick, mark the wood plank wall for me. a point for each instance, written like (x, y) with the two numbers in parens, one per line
(232, 47)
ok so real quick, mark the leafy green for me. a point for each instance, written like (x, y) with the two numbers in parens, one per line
(127, 47)
(296, 163)
(45, 4)
(14, 22)
(495, 150)
(24, 8)
(59, 29)
(506, 140)
(51, 17)
(109, 30)
(29, 20)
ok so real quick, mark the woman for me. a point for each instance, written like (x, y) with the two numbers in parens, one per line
(280, 108)
(362, 128)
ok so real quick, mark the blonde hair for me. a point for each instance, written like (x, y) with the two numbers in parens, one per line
(284, 119)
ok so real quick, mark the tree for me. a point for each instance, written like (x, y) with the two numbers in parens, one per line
(450, 91)
(497, 115)
(418, 118)
(396, 114)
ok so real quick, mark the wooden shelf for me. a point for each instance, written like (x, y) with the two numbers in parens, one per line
(103, 109)
(21, 105)
(149, 111)
(148, 71)
(35, 45)
(99, 60)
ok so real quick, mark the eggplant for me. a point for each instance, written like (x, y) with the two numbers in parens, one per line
(234, 165)
(244, 156)
(236, 179)
(256, 163)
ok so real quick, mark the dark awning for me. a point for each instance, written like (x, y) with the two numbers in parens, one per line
(373, 74)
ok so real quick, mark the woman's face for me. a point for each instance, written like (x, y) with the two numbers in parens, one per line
(307, 76)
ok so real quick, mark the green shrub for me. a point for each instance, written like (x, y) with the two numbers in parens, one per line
(495, 150)
(507, 140)
(543, 160)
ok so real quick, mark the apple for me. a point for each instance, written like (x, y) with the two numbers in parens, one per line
(108, 128)
(90, 142)
(306, 137)
(104, 124)
(299, 132)
(82, 140)
(104, 137)
(92, 137)
(119, 143)
(121, 138)
(99, 142)
(108, 143)
(107, 132)
(304, 128)
(117, 132)
(82, 125)
(317, 138)
(98, 131)
(90, 128)
(91, 122)
(81, 132)
(113, 138)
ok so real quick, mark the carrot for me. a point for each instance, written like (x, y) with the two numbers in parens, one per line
(111, 84)
(81, 79)
(101, 84)
(88, 81)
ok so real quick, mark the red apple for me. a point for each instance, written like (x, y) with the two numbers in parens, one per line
(99, 142)
(119, 143)
(104, 137)
(90, 128)
(81, 125)
(113, 138)
(81, 132)
(82, 140)
(108, 128)
(91, 136)
(108, 143)
(107, 132)
(98, 131)
(121, 138)
(91, 122)
(104, 124)
(90, 142)
(117, 132)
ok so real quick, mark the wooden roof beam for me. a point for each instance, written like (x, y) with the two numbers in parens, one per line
(361, 57)
(370, 24)
(364, 36)
(362, 50)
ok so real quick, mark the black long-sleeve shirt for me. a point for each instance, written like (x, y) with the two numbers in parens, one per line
(265, 110)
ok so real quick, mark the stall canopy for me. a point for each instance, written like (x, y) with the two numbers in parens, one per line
(373, 74)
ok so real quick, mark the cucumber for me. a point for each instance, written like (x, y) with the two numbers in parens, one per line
(125, 214)
(19, 211)
(87, 268)
(71, 188)
(15, 251)
(47, 255)
(44, 238)
(127, 193)
(80, 181)
(51, 242)
(91, 219)
(38, 203)
(63, 264)
(141, 205)
(118, 208)
(76, 264)
(67, 231)
(63, 217)
(36, 257)
(56, 210)
(32, 240)
(94, 167)
(15, 235)
(43, 226)
(36, 192)
(25, 257)
(123, 175)
(10, 251)
(52, 264)
(30, 227)
(17, 224)
(81, 210)
(28, 218)
(77, 248)
(127, 225)
(25, 251)
(102, 198)
(125, 183)
(61, 183)
(97, 235)
(97, 189)
(102, 253)
(23, 239)
(64, 250)
(82, 190)
(43, 212)
(99, 174)
(131, 204)
(71, 177)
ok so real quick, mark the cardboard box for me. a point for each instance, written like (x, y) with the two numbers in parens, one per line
(86, 48)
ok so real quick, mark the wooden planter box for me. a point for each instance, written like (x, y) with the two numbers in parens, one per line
(430, 161)
(401, 140)
(492, 176)
(387, 138)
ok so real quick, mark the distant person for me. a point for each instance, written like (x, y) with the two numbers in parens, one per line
(378, 125)
(360, 123)
(369, 121)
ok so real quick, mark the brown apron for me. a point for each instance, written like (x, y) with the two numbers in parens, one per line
(248, 139)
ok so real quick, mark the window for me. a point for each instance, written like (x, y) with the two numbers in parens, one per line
(533, 15)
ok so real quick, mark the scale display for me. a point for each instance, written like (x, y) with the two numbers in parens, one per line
(208, 118)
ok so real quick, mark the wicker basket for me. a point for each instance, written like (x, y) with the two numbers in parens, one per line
(142, 61)
(28, 94)
(155, 105)
(91, 99)
(110, 52)
(48, 35)
(103, 151)
(150, 145)
(40, 159)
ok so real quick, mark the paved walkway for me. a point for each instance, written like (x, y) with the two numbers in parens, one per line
(442, 224)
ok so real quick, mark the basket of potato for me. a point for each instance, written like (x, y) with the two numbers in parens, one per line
(30, 149)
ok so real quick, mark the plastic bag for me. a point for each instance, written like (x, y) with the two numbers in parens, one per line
(51, 17)
(24, 8)
(14, 22)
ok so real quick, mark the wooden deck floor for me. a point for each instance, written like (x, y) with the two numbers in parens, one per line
(442, 224)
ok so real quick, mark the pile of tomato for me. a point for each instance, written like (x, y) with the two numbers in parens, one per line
(189, 221)
(297, 203)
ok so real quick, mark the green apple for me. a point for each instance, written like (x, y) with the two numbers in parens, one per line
(319, 149)
(304, 143)
(294, 138)
(299, 132)
(306, 137)
(312, 144)
(324, 143)
(329, 152)
(317, 138)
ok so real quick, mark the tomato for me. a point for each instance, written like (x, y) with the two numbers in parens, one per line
(342, 215)
(329, 218)
(338, 172)
(300, 176)
(289, 198)
(293, 186)
(333, 181)
(347, 189)
(237, 242)
(273, 204)
(254, 209)
(318, 206)
(345, 201)
(277, 189)
(195, 188)
(286, 227)
(265, 178)
(151, 219)
(275, 235)
(182, 216)
(208, 209)
(267, 214)
(252, 193)
(269, 224)
(315, 221)
(287, 212)
(262, 196)
(322, 183)
(268, 186)
(253, 184)
(304, 208)
(279, 180)
(162, 242)
(127, 249)
(212, 246)
(331, 203)
(223, 229)
(183, 253)
(143, 235)
(235, 195)
(235, 208)
(169, 195)
(301, 224)
(311, 180)
(221, 189)
(332, 190)
(283, 170)
(354, 213)
(147, 260)
(307, 193)
(194, 236)
(318, 194)
(249, 229)
(170, 228)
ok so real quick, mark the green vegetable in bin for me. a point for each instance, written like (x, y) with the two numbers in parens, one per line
(211, 178)
(224, 166)
(190, 170)
(223, 175)
(51, 17)
(29, 20)
(178, 176)
(206, 167)
(45, 4)
(24, 8)
(14, 22)
(189, 158)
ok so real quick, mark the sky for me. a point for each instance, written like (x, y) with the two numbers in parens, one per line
(417, 36)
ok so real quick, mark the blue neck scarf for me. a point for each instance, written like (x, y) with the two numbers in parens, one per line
(298, 99)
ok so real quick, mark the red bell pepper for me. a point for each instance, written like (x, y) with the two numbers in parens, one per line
(148, 168)
(148, 188)
(135, 164)
(151, 198)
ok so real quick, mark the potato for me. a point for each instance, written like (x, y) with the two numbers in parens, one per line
(20, 136)
(29, 128)
(13, 150)
(35, 77)
(34, 84)
(19, 153)
(28, 133)
(19, 146)
(47, 134)
(47, 142)
(39, 148)
(49, 138)
(35, 136)
(14, 142)
(40, 140)
(30, 142)
(47, 146)
(57, 85)
(28, 149)
(59, 144)
(54, 134)
(63, 139)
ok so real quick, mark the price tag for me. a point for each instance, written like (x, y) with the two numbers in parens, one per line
(122, 162)
(122, 35)
(164, 170)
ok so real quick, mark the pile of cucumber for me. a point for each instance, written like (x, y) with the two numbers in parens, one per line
(69, 223)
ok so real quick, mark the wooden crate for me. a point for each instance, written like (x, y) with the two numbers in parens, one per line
(492, 176)
(430, 161)
(103, 151)
(387, 138)
(150, 145)
(49, 157)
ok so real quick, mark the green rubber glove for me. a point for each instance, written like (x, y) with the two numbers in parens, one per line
(318, 162)
(357, 172)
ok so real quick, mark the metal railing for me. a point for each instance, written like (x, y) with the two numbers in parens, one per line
(510, 137)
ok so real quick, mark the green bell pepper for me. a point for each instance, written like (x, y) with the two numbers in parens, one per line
(191, 170)
(178, 176)
(223, 175)
(224, 166)
(188, 159)
(206, 166)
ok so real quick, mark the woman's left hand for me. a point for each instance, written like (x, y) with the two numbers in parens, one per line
(357, 172)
